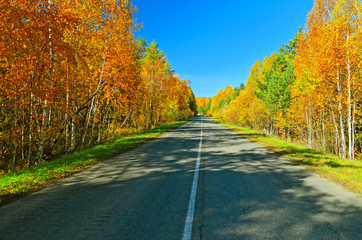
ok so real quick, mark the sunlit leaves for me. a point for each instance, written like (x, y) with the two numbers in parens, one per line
(71, 76)
(310, 91)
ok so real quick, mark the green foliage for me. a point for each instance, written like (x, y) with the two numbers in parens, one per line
(292, 46)
(208, 107)
(221, 104)
(274, 91)
(154, 56)
(163, 96)
(192, 104)
(141, 45)
(242, 86)
(237, 90)
(201, 110)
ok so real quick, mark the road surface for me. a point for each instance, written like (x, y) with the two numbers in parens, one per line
(241, 191)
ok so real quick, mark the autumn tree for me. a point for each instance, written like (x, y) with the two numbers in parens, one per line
(163, 96)
(328, 61)
(310, 90)
(71, 76)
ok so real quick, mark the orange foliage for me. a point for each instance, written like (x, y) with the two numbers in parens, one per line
(71, 76)
(325, 108)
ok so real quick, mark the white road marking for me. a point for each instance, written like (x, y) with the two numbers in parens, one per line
(191, 209)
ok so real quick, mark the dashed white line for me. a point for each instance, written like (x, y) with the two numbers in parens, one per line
(191, 208)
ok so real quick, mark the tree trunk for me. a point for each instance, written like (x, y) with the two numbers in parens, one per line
(309, 127)
(336, 132)
(39, 154)
(340, 111)
(66, 117)
(93, 124)
(349, 108)
(87, 123)
(323, 131)
(30, 129)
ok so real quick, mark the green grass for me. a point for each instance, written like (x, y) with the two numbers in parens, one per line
(17, 184)
(346, 172)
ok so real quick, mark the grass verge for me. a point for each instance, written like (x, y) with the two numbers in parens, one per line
(16, 185)
(343, 171)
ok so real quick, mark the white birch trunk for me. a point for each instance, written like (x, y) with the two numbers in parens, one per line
(340, 111)
(349, 107)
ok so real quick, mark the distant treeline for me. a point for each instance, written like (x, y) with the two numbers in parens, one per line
(310, 90)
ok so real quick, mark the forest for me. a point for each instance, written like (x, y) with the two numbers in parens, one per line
(310, 90)
(73, 74)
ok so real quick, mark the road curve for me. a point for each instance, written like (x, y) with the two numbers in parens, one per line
(243, 192)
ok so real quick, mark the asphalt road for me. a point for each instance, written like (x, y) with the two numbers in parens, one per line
(243, 192)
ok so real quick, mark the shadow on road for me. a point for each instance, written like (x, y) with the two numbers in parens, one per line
(252, 193)
(244, 192)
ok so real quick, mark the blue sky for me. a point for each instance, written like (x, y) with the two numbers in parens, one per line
(215, 43)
